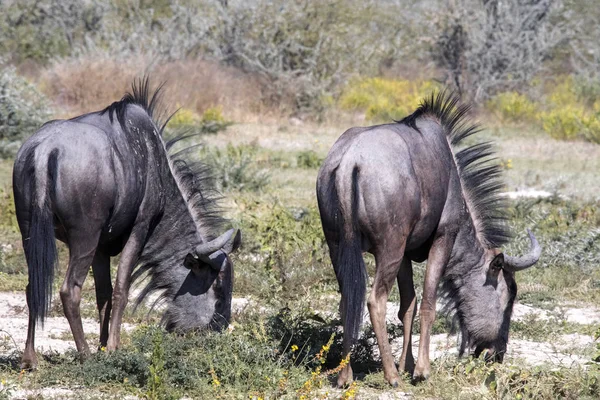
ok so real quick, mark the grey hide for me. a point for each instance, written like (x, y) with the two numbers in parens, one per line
(404, 192)
(104, 184)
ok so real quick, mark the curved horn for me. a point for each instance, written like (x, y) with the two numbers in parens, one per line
(217, 260)
(515, 264)
(215, 244)
(232, 245)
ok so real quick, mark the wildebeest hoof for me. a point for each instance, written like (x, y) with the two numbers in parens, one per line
(343, 381)
(393, 380)
(420, 375)
(28, 364)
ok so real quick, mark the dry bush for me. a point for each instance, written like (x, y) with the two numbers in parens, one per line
(91, 82)
(85, 84)
(200, 84)
(489, 46)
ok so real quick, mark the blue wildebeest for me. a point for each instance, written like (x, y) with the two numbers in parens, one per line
(404, 193)
(104, 184)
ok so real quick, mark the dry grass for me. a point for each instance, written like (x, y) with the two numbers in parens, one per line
(88, 83)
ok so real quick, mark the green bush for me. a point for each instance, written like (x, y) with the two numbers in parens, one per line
(213, 121)
(284, 253)
(235, 168)
(568, 115)
(513, 106)
(569, 111)
(308, 159)
(23, 109)
(183, 118)
(42, 30)
(385, 99)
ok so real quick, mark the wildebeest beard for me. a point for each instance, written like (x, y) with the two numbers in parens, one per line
(471, 337)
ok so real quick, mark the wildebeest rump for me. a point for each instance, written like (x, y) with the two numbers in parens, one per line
(403, 192)
(104, 184)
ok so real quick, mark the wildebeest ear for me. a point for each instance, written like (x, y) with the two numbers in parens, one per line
(190, 261)
(497, 263)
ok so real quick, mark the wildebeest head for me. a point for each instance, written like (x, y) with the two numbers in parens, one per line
(484, 301)
(204, 299)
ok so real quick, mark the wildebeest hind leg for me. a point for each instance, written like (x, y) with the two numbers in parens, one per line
(101, 268)
(29, 359)
(408, 309)
(81, 254)
(345, 376)
(388, 264)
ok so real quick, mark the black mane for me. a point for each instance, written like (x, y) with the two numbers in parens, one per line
(194, 179)
(480, 176)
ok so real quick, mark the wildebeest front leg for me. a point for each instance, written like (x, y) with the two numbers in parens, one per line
(101, 268)
(436, 262)
(129, 257)
(388, 264)
(408, 309)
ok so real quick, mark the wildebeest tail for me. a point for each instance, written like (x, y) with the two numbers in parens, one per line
(351, 272)
(40, 245)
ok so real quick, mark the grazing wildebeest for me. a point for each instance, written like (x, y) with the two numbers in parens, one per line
(403, 192)
(104, 184)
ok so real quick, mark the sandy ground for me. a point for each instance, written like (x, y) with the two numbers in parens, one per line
(565, 350)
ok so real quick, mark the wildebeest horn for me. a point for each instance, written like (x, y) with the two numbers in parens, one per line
(515, 264)
(217, 260)
(215, 244)
(232, 245)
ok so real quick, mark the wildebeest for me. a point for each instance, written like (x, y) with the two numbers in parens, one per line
(404, 192)
(105, 184)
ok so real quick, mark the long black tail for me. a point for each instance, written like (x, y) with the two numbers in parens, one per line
(351, 272)
(40, 245)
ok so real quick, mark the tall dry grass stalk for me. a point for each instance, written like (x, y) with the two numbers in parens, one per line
(91, 82)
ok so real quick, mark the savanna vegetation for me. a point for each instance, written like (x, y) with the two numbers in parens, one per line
(268, 86)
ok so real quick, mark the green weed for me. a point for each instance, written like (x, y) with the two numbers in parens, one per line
(308, 159)
(213, 121)
(385, 99)
(235, 168)
(513, 107)
(284, 255)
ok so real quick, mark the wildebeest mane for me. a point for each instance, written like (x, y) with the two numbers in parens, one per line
(479, 174)
(194, 181)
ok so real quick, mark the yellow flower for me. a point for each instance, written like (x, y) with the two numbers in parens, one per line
(294, 348)
(103, 348)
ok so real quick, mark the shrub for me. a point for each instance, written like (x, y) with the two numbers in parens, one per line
(571, 122)
(385, 99)
(212, 121)
(284, 252)
(513, 106)
(565, 122)
(235, 168)
(93, 80)
(309, 159)
(489, 46)
(570, 111)
(303, 50)
(183, 118)
(22, 110)
(40, 30)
